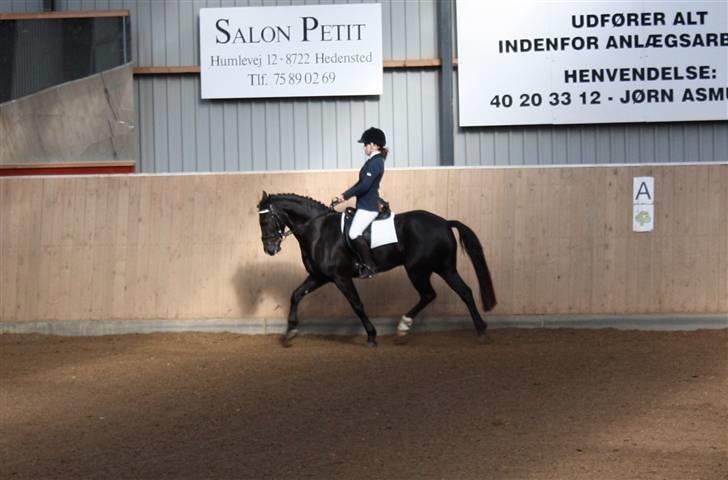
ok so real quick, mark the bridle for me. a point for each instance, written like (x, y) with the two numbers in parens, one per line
(281, 233)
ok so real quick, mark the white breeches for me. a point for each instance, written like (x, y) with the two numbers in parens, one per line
(361, 221)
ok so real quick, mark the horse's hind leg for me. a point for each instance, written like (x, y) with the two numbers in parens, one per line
(421, 281)
(346, 286)
(455, 281)
(308, 286)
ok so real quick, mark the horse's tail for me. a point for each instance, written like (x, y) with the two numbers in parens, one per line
(472, 247)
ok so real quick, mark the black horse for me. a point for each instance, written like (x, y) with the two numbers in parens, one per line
(426, 245)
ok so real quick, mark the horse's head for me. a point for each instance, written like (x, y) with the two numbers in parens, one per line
(271, 226)
(285, 210)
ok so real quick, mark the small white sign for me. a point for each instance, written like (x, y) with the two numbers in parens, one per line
(643, 218)
(643, 191)
(296, 51)
(643, 204)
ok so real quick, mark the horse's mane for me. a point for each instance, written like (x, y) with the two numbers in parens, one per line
(296, 197)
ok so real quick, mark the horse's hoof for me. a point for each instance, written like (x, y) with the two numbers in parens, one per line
(405, 323)
(371, 343)
(481, 329)
(289, 336)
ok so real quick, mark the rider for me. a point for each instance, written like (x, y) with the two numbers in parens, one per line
(366, 191)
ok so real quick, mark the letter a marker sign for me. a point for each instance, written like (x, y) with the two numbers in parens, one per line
(643, 204)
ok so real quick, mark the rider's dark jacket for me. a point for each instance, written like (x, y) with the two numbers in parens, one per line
(366, 190)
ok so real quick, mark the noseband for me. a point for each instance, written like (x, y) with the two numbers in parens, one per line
(280, 233)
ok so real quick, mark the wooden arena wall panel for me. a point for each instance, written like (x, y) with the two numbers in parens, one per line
(557, 240)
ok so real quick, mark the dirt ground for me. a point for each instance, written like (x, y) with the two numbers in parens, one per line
(526, 404)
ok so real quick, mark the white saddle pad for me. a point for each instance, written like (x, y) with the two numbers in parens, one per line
(383, 232)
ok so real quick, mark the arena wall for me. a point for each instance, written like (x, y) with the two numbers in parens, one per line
(173, 247)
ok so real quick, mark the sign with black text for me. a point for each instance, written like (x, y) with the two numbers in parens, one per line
(643, 204)
(563, 62)
(297, 51)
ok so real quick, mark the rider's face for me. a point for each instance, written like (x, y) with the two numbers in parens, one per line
(369, 148)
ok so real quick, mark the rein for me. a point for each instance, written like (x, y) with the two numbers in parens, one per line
(281, 232)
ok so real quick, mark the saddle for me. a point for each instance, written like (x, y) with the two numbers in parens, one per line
(384, 213)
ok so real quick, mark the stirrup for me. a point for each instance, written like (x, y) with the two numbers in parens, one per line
(365, 271)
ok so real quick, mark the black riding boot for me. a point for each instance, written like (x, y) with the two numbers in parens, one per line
(366, 263)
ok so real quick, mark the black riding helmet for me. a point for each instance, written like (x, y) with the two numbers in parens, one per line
(373, 135)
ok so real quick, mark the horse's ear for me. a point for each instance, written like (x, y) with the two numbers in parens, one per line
(265, 195)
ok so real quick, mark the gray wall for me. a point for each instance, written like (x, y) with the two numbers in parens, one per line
(180, 132)
(7, 6)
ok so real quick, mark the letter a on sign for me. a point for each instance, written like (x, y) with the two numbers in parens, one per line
(644, 191)
(643, 200)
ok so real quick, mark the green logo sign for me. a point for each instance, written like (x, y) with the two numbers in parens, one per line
(643, 217)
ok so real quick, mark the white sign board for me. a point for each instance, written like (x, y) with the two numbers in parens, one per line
(643, 204)
(297, 51)
(526, 62)
(643, 190)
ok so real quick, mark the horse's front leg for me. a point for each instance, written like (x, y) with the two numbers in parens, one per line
(346, 285)
(308, 286)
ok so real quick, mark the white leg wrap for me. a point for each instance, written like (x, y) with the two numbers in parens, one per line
(404, 325)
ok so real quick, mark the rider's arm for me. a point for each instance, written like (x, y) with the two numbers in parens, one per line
(372, 171)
